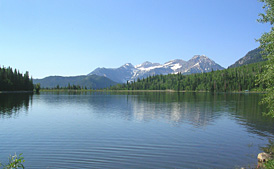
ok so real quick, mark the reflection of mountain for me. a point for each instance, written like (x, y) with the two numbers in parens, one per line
(196, 109)
(192, 108)
(201, 109)
(11, 103)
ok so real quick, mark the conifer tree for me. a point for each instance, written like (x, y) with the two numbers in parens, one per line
(267, 43)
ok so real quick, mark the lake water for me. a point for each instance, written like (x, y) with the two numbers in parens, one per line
(133, 130)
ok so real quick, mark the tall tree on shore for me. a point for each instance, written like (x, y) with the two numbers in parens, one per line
(267, 43)
(14, 81)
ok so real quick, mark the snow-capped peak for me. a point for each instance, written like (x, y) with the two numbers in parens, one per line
(146, 65)
(127, 65)
(197, 64)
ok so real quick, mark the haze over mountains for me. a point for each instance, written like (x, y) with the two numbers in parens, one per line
(128, 72)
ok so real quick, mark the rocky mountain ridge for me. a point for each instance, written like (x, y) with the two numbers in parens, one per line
(252, 56)
(129, 72)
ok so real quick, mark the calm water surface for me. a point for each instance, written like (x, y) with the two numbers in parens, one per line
(133, 130)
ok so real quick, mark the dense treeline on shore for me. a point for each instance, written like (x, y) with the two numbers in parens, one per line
(233, 79)
(68, 87)
(14, 81)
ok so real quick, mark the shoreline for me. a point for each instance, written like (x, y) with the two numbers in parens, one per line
(162, 91)
(16, 92)
(135, 91)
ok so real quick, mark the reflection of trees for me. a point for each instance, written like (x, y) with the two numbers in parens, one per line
(12, 103)
(198, 109)
(195, 108)
(248, 112)
(201, 109)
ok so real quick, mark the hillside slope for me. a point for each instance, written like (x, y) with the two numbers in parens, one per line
(252, 56)
(91, 82)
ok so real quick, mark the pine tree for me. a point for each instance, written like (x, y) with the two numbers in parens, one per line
(267, 43)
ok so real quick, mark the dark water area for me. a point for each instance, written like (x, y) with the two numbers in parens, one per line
(133, 129)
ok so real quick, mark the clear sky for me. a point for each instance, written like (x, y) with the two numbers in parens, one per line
(73, 37)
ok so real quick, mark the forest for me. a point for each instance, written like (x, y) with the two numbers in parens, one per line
(228, 80)
(14, 81)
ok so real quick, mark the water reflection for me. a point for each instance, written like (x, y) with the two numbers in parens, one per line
(12, 103)
(249, 113)
(197, 109)
(115, 129)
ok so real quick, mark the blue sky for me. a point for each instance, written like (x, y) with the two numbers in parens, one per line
(73, 37)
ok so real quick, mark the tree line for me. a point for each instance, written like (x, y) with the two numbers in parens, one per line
(228, 80)
(68, 87)
(14, 80)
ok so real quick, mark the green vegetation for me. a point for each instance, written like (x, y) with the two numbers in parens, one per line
(228, 80)
(269, 148)
(37, 87)
(14, 162)
(269, 164)
(70, 87)
(267, 42)
(14, 81)
(266, 77)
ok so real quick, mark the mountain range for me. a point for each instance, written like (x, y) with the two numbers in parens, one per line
(91, 82)
(106, 77)
(128, 72)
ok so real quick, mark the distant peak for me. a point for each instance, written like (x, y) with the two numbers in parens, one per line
(200, 57)
(128, 65)
(147, 64)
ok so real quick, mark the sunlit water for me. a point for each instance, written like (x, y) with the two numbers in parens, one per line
(133, 130)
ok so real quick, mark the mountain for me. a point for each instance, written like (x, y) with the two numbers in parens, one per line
(252, 56)
(228, 80)
(199, 64)
(120, 74)
(93, 81)
(128, 72)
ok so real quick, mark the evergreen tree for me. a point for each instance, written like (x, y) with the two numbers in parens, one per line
(37, 87)
(267, 43)
(14, 81)
(233, 79)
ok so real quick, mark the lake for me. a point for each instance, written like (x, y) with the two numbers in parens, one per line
(133, 130)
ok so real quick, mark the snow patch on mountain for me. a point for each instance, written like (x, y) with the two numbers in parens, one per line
(176, 66)
(128, 72)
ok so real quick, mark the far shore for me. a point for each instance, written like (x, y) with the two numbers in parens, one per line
(167, 91)
(16, 91)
